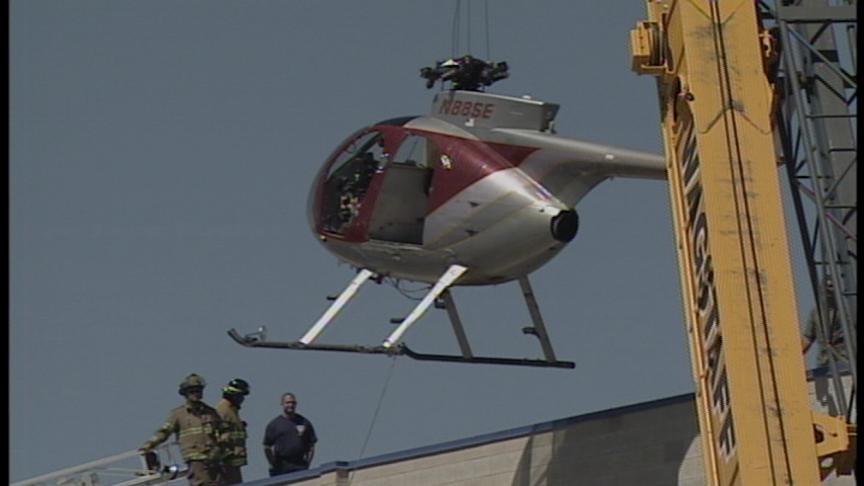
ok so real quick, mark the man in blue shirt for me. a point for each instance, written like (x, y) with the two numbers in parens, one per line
(289, 440)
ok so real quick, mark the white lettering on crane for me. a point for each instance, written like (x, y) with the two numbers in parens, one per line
(706, 294)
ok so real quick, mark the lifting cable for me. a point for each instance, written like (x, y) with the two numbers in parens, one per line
(375, 414)
(457, 28)
(454, 36)
(468, 25)
(486, 15)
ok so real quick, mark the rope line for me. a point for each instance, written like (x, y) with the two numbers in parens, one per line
(375, 414)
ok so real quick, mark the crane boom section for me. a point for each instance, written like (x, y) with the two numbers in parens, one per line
(733, 254)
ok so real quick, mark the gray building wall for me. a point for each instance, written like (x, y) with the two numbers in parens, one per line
(653, 443)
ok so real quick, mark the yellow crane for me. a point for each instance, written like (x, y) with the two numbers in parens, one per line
(712, 61)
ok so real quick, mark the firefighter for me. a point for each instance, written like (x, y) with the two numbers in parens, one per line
(199, 431)
(233, 395)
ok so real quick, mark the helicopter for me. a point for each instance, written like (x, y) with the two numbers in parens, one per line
(480, 191)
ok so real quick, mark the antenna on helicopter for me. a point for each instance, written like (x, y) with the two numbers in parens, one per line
(465, 73)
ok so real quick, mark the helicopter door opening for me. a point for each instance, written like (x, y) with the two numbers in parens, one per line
(400, 209)
(348, 181)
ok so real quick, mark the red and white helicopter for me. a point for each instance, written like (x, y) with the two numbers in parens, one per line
(480, 191)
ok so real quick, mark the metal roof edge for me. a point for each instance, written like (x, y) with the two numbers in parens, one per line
(464, 443)
(487, 438)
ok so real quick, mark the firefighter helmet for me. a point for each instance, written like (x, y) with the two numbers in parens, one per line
(192, 381)
(237, 386)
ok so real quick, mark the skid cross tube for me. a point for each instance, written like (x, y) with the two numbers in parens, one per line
(539, 328)
(334, 308)
(456, 322)
(450, 276)
(398, 350)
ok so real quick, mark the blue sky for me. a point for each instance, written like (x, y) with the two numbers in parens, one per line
(161, 155)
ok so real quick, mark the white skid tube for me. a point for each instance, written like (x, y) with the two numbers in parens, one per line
(450, 276)
(336, 306)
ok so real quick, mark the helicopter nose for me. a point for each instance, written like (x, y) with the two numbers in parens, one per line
(564, 225)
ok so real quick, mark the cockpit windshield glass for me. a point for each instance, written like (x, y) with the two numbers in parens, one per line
(368, 147)
(348, 180)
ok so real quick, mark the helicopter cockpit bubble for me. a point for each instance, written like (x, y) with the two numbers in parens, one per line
(348, 177)
(376, 186)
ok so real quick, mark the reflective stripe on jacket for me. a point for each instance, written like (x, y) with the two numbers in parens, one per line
(234, 435)
(199, 432)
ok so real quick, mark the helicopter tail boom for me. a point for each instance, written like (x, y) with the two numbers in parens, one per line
(580, 156)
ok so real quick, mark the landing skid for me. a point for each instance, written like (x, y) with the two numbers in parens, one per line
(397, 350)
(392, 346)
